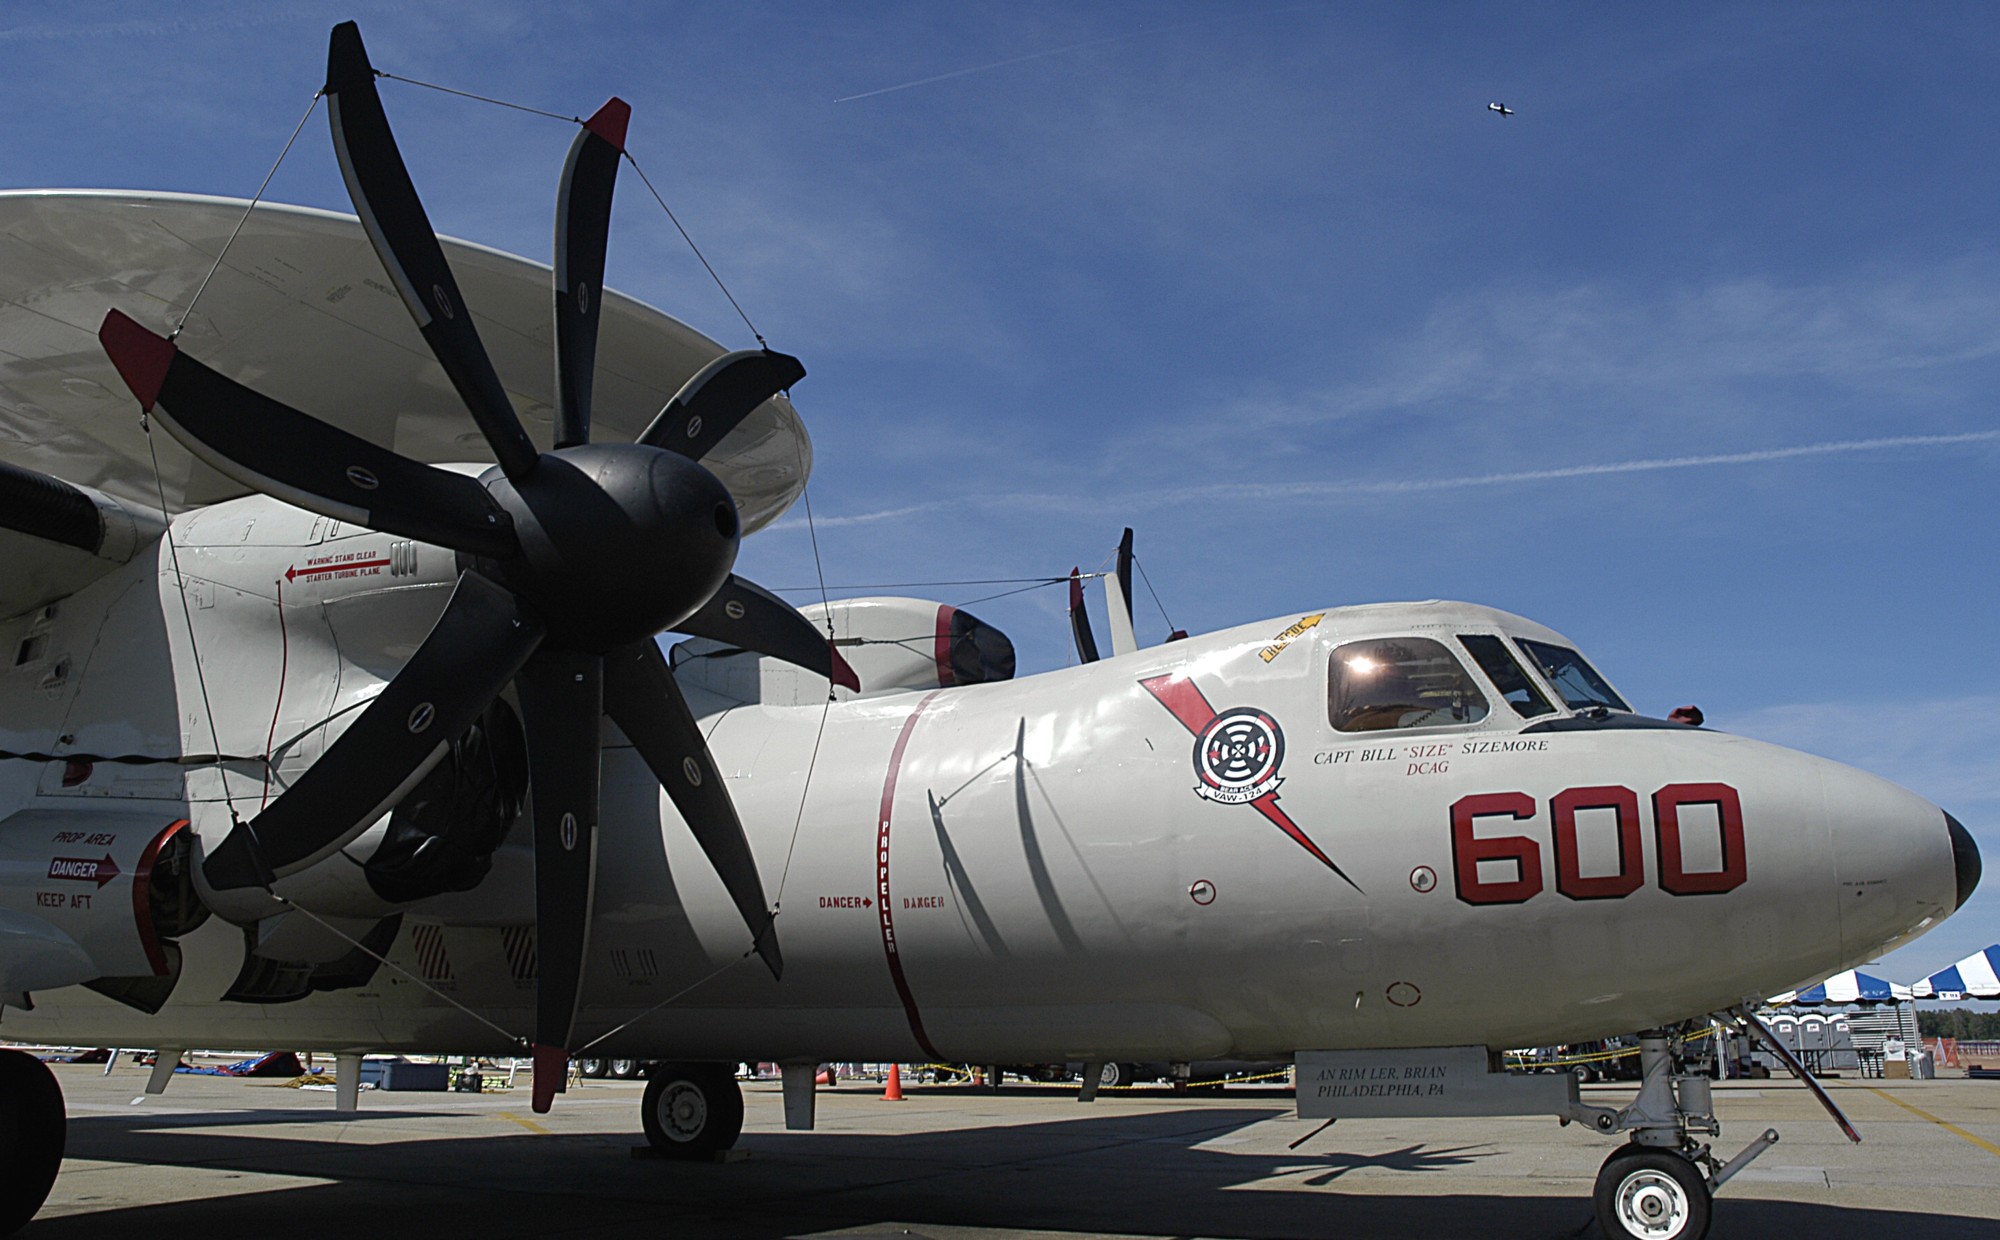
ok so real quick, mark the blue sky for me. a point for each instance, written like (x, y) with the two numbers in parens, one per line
(1693, 358)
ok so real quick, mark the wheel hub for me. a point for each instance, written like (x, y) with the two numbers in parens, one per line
(684, 1111)
(1652, 1205)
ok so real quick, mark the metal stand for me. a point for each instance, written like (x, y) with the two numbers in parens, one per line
(346, 1083)
(164, 1062)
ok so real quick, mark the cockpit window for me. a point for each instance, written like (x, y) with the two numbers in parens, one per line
(1401, 682)
(1506, 674)
(1577, 681)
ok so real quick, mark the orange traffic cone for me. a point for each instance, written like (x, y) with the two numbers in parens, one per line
(893, 1091)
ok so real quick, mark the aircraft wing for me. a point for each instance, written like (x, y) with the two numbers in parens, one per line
(303, 312)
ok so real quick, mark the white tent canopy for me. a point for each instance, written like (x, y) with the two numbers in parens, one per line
(1975, 977)
(1842, 989)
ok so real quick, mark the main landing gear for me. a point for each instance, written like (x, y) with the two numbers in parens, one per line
(692, 1110)
(1660, 1185)
(32, 1130)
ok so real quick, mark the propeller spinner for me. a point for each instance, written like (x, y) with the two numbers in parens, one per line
(547, 597)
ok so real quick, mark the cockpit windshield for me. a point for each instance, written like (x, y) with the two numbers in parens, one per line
(1399, 682)
(1506, 674)
(1576, 680)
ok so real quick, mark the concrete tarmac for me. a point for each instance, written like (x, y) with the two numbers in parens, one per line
(218, 1157)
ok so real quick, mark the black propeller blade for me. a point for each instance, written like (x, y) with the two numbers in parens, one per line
(298, 458)
(566, 556)
(479, 643)
(749, 617)
(583, 226)
(1124, 572)
(394, 218)
(562, 699)
(642, 697)
(720, 395)
(1079, 619)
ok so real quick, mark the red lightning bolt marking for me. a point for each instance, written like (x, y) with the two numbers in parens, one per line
(1179, 695)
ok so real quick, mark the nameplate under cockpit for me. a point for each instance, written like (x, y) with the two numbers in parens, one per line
(1423, 1081)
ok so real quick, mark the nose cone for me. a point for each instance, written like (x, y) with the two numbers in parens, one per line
(1898, 875)
(1964, 859)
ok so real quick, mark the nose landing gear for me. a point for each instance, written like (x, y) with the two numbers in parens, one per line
(1661, 1184)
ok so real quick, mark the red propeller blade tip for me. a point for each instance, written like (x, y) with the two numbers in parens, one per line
(1075, 588)
(551, 1074)
(610, 121)
(141, 357)
(843, 674)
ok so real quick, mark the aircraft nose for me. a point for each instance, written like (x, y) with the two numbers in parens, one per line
(1898, 875)
(1965, 861)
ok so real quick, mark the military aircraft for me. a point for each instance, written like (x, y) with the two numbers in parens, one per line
(349, 730)
(1499, 109)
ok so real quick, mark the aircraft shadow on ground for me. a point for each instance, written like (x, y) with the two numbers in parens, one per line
(1115, 1174)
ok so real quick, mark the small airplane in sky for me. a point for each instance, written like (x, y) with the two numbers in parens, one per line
(350, 731)
(1500, 109)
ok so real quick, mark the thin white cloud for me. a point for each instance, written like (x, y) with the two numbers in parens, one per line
(1294, 490)
(1875, 328)
(858, 518)
(1340, 488)
(152, 28)
(1054, 51)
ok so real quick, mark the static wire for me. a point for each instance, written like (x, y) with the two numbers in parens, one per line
(257, 198)
(160, 488)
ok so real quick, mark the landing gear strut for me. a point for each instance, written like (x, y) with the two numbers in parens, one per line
(692, 1110)
(1660, 1185)
(32, 1131)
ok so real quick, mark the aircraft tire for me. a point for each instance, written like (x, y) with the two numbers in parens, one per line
(1112, 1075)
(622, 1069)
(590, 1067)
(32, 1133)
(1645, 1193)
(692, 1111)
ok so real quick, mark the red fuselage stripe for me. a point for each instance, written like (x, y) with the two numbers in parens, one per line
(882, 883)
(1179, 695)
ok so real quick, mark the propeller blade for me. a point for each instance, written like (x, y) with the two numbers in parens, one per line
(297, 458)
(394, 219)
(749, 617)
(562, 699)
(720, 395)
(642, 697)
(1118, 599)
(583, 226)
(481, 640)
(1079, 620)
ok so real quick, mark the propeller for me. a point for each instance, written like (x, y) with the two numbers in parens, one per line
(1079, 620)
(571, 560)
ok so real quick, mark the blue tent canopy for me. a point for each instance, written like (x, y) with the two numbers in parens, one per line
(1975, 977)
(1845, 988)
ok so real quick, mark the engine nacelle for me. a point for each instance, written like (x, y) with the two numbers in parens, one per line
(893, 644)
(95, 897)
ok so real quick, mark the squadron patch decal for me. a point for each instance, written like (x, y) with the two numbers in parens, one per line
(1237, 753)
(1237, 756)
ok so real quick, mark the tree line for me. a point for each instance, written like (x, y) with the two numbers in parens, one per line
(1960, 1023)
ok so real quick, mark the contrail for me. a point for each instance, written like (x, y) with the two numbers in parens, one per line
(142, 28)
(1299, 490)
(1057, 51)
(1644, 465)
